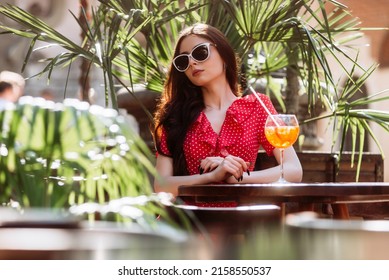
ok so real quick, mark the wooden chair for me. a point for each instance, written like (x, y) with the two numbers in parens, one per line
(323, 167)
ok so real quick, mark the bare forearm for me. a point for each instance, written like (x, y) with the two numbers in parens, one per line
(230, 166)
(260, 176)
(171, 183)
(292, 170)
(272, 174)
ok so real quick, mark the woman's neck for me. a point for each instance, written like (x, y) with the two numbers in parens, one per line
(218, 97)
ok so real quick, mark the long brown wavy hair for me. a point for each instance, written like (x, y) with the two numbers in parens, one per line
(181, 101)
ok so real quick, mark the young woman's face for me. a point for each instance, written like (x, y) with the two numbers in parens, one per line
(202, 73)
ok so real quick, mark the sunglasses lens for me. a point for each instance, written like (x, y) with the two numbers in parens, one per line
(200, 53)
(181, 62)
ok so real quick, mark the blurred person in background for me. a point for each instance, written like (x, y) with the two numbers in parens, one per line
(17, 81)
(6, 94)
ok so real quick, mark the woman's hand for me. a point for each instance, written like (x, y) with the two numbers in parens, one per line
(228, 169)
(209, 164)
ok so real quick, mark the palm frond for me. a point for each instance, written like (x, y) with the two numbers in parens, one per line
(101, 159)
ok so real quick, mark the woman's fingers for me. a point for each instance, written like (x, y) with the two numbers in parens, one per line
(234, 166)
(245, 165)
(230, 166)
(211, 166)
(210, 163)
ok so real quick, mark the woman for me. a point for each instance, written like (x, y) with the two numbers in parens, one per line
(205, 132)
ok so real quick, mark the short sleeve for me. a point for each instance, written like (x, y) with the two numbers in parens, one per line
(163, 144)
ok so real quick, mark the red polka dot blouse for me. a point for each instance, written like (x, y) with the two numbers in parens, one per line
(242, 134)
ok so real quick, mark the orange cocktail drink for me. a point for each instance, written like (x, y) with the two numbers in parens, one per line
(282, 136)
(282, 130)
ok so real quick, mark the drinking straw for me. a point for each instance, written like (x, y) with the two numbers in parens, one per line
(263, 105)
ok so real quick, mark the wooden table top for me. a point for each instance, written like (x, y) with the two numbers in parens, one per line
(296, 192)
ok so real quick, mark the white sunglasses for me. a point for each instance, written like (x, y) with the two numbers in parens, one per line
(199, 53)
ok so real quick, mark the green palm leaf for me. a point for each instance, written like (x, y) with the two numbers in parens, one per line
(85, 153)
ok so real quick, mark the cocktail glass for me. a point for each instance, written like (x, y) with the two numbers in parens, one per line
(282, 131)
